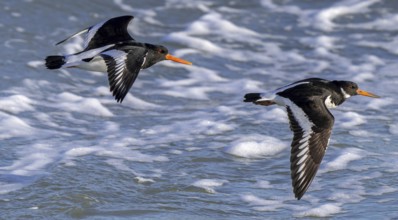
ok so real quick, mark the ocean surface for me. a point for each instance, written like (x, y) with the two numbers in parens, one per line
(183, 145)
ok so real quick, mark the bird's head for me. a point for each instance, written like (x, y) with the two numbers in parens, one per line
(350, 89)
(158, 53)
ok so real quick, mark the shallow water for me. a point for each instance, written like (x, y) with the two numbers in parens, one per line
(183, 145)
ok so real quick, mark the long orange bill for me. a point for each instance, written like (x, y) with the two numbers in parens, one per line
(176, 59)
(364, 93)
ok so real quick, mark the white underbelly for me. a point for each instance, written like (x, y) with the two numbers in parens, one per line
(97, 64)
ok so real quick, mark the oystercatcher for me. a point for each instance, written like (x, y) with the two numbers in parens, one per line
(307, 103)
(108, 47)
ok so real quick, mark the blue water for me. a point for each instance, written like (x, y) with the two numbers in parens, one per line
(183, 145)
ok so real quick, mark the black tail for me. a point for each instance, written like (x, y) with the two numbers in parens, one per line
(55, 62)
(252, 97)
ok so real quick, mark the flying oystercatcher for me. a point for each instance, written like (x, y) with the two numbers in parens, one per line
(307, 103)
(108, 47)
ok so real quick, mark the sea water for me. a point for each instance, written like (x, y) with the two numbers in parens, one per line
(183, 145)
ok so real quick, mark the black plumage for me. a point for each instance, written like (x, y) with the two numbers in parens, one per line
(307, 103)
(108, 47)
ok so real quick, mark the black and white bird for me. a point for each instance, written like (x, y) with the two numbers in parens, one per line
(108, 47)
(307, 103)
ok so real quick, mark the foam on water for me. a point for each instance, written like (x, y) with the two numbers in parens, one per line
(13, 126)
(394, 129)
(214, 24)
(342, 161)
(16, 103)
(255, 146)
(27, 168)
(75, 103)
(349, 120)
(179, 125)
(323, 19)
(325, 210)
(209, 184)
(263, 205)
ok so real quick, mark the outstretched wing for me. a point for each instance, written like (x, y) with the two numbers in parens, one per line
(311, 123)
(105, 33)
(123, 68)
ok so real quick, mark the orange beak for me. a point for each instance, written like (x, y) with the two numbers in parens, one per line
(176, 59)
(368, 94)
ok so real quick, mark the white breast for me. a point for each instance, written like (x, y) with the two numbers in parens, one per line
(329, 103)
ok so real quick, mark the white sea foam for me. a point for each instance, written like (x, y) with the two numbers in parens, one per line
(350, 119)
(323, 19)
(10, 187)
(277, 114)
(362, 133)
(387, 22)
(71, 102)
(394, 129)
(16, 104)
(379, 104)
(325, 210)
(143, 180)
(352, 196)
(234, 51)
(138, 103)
(264, 205)
(114, 152)
(36, 64)
(264, 184)
(30, 164)
(342, 161)
(209, 184)
(214, 23)
(256, 146)
(193, 86)
(13, 126)
(323, 41)
(201, 126)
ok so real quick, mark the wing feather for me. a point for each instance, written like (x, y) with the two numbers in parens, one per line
(108, 32)
(311, 123)
(123, 68)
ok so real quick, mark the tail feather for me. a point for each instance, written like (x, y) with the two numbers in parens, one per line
(252, 97)
(55, 62)
(257, 99)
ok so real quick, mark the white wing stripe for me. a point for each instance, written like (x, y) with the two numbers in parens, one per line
(301, 168)
(302, 173)
(305, 124)
(120, 59)
(305, 139)
(302, 152)
(302, 119)
(302, 159)
(91, 33)
(289, 86)
(74, 60)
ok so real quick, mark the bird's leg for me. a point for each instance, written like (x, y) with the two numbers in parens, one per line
(265, 102)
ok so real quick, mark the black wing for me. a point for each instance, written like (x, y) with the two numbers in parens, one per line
(105, 33)
(312, 128)
(123, 68)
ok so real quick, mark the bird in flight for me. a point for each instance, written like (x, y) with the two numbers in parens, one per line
(108, 47)
(307, 103)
